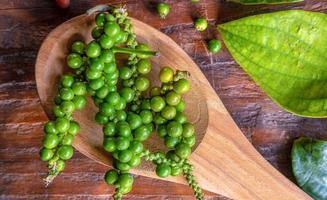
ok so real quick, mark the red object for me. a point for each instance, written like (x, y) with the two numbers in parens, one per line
(63, 3)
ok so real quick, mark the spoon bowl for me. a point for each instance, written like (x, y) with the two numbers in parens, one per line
(224, 161)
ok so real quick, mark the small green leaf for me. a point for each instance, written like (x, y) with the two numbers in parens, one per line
(253, 2)
(309, 162)
(286, 55)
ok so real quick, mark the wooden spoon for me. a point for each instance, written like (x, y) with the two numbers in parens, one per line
(224, 161)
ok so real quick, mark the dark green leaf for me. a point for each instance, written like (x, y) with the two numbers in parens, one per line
(309, 162)
(253, 2)
(286, 54)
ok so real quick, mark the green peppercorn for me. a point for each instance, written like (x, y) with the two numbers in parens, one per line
(125, 180)
(109, 144)
(142, 83)
(101, 118)
(110, 68)
(125, 73)
(79, 88)
(144, 66)
(67, 81)
(68, 139)
(163, 9)
(109, 129)
(67, 107)
(106, 56)
(201, 24)
(74, 61)
(62, 125)
(174, 129)
(166, 74)
(181, 86)
(142, 133)
(214, 46)
(97, 32)
(74, 128)
(163, 170)
(190, 141)
(188, 130)
(102, 92)
(46, 154)
(60, 165)
(128, 94)
(93, 49)
(100, 19)
(180, 118)
(65, 152)
(122, 143)
(93, 74)
(113, 98)
(158, 119)
(146, 116)
(134, 161)
(134, 121)
(183, 150)
(168, 112)
(157, 103)
(173, 98)
(111, 177)
(122, 166)
(78, 47)
(50, 127)
(162, 131)
(136, 147)
(112, 29)
(125, 155)
(171, 142)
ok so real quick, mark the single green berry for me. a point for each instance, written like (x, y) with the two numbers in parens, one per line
(174, 129)
(166, 74)
(111, 176)
(183, 150)
(214, 46)
(93, 49)
(65, 152)
(125, 180)
(181, 86)
(74, 61)
(46, 154)
(163, 9)
(168, 112)
(201, 24)
(163, 170)
(157, 103)
(109, 144)
(78, 47)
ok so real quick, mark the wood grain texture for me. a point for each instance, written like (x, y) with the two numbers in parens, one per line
(23, 26)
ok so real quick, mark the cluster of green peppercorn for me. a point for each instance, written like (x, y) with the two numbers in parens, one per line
(201, 24)
(128, 116)
(60, 133)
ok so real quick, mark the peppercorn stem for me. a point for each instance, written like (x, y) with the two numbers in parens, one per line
(133, 51)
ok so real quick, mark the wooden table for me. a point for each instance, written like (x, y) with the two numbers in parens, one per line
(23, 26)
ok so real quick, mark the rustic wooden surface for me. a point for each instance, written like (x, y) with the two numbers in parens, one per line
(23, 26)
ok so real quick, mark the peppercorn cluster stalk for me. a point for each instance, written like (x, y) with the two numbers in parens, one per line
(128, 115)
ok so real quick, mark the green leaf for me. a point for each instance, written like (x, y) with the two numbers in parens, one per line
(309, 163)
(253, 2)
(286, 55)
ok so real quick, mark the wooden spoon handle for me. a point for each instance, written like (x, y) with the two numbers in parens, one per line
(226, 163)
